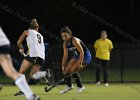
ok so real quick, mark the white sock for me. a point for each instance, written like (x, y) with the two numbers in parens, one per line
(23, 86)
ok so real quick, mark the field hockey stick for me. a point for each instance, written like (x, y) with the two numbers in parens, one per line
(46, 80)
(56, 84)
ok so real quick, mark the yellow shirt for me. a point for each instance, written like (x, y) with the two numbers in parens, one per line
(103, 48)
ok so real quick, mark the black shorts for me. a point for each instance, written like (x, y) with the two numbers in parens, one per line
(35, 60)
(5, 49)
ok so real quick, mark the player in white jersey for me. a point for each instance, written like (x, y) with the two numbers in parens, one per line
(36, 50)
(6, 64)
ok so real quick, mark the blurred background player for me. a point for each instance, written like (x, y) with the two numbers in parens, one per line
(36, 50)
(81, 58)
(7, 66)
(103, 47)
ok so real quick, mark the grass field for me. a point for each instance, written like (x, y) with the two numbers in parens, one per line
(113, 92)
(88, 75)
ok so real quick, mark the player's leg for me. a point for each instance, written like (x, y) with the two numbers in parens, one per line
(41, 74)
(20, 81)
(105, 72)
(73, 70)
(25, 66)
(68, 78)
(76, 76)
(34, 70)
(5, 61)
(98, 70)
(76, 66)
(35, 73)
(77, 79)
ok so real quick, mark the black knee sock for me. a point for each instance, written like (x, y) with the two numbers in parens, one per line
(77, 79)
(68, 80)
(32, 81)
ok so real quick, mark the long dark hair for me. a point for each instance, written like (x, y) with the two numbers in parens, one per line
(66, 29)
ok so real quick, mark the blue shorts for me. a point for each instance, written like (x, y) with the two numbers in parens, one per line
(87, 57)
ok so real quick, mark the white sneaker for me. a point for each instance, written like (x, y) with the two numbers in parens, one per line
(39, 74)
(66, 89)
(98, 83)
(34, 97)
(80, 89)
(106, 84)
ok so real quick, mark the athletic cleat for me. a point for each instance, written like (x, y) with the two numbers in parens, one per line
(34, 97)
(80, 89)
(98, 83)
(20, 93)
(106, 84)
(39, 74)
(66, 89)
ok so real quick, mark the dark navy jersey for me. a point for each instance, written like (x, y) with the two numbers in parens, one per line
(72, 49)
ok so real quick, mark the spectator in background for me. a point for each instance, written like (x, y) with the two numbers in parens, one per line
(103, 47)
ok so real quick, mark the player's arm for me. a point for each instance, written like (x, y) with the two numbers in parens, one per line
(21, 39)
(77, 44)
(110, 46)
(65, 56)
(110, 50)
(95, 45)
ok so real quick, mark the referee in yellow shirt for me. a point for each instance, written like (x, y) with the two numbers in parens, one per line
(103, 47)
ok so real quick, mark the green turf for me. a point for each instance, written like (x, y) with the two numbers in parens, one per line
(93, 92)
(88, 75)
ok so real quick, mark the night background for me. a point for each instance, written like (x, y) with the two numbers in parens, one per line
(52, 15)
(86, 19)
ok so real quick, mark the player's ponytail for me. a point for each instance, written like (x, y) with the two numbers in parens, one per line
(34, 24)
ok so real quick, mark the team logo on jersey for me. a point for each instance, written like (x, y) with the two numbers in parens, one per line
(72, 48)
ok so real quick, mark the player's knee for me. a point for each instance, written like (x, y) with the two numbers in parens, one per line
(10, 74)
(73, 70)
(76, 76)
(66, 72)
(22, 70)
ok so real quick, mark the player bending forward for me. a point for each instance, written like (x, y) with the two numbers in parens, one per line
(81, 58)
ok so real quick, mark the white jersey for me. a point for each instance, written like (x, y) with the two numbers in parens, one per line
(35, 44)
(3, 38)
